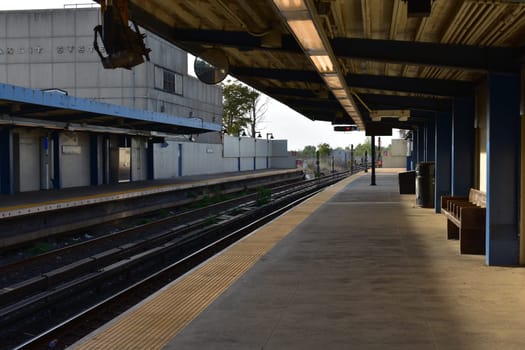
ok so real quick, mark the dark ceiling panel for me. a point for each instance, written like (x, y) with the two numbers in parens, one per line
(378, 101)
(433, 54)
(439, 87)
(284, 75)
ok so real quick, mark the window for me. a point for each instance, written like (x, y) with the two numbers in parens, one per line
(167, 80)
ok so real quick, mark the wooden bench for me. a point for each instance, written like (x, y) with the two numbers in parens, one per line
(466, 220)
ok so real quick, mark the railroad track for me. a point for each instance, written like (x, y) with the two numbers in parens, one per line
(94, 289)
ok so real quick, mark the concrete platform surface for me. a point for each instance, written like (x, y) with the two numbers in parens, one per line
(366, 270)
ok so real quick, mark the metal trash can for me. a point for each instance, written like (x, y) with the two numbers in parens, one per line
(425, 179)
(407, 182)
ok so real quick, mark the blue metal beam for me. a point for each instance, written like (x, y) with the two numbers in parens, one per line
(503, 169)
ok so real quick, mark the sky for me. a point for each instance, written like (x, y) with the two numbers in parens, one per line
(280, 120)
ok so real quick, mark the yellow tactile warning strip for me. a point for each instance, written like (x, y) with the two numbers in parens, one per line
(30, 208)
(154, 323)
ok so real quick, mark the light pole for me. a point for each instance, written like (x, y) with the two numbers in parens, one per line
(239, 143)
(352, 158)
(269, 136)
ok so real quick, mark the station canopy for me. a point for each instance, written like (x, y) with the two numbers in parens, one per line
(53, 109)
(350, 61)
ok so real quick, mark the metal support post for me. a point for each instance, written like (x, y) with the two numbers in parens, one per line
(373, 151)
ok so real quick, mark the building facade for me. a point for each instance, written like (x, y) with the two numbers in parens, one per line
(53, 51)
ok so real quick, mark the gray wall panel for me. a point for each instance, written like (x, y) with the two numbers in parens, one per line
(18, 74)
(42, 77)
(29, 162)
(17, 25)
(40, 25)
(62, 76)
(74, 159)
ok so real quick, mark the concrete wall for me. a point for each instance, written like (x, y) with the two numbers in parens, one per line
(198, 158)
(397, 157)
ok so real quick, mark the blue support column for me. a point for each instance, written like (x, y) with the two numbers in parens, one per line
(443, 158)
(57, 181)
(414, 149)
(418, 146)
(430, 137)
(6, 162)
(93, 159)
(150, 160)
(503, 167)
(462, 145)
(180, 159)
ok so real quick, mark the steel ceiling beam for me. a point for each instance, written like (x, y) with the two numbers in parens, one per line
(438, 87)
(288, 75)
(496, 59)
(381, 101)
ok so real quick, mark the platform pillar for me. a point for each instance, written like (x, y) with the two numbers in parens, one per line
(443, 156)
(430, 141)
(6, 162)
(463, 114)
(415, 147)
(150, 160)
(503, 166)
(56, 179)
(373, 156)
(94, 159)
(180, 159)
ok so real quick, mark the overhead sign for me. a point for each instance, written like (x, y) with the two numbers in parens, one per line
(378, 130)
(346, 128)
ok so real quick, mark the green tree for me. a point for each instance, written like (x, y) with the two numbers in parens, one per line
(360, 149)
(324, 150)
(309, 151)
(242, 108)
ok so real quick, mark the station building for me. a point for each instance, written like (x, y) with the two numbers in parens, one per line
(175, 129)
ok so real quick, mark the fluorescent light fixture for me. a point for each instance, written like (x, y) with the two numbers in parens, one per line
(339, 93)
(333, 81)
(305, 24)
(307, 34)
(290, 5)
(323, 63)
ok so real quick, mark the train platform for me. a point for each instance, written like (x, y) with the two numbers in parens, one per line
(24, 203)
(354, 267)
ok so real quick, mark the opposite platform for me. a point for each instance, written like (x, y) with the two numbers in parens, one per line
(25, 203)
(365, 270)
